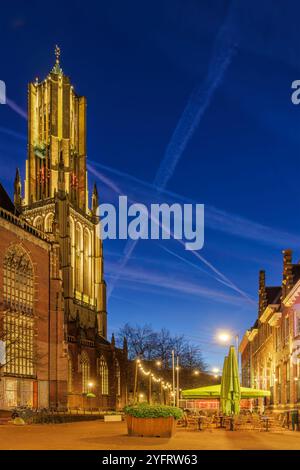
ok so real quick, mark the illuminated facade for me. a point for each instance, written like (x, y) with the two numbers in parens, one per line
(270, 350)
(56, 204)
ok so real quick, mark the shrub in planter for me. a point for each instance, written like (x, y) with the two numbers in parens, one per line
(151, 420)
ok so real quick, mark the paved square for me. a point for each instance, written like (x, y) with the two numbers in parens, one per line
(112, 436)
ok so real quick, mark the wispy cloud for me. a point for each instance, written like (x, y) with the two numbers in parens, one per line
(12, 133)
(215, 218)
(138, 278)
(242, 227)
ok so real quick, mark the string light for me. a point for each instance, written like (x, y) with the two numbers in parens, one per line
(165, 385)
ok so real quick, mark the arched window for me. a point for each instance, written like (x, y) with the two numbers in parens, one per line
(39, 223)
(118, 378)
(78, 258)
(49, 223)
(72, 235)
(103, 375)
(18, 324)
(85, 371)
(86, 262)
(70, 374)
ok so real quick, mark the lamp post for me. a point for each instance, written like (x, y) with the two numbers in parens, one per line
(150, 389)
(137, 364)
(173, 377)
(161, 392)
(177, 384)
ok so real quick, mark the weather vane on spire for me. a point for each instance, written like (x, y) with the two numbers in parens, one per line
(57, 69)
(57, 53)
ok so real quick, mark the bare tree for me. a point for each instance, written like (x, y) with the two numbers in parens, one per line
(141, 340)
(148, 344)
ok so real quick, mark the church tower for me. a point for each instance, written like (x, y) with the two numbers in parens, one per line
(56, 196)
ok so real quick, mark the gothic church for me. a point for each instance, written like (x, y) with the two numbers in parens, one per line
(53, 317)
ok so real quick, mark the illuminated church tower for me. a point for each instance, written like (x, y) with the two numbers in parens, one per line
(52, 289)
(56, 196)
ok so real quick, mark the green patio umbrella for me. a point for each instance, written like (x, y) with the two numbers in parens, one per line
(214, 391)
(230, 385)
(222, 387)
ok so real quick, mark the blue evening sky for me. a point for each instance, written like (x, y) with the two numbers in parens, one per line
(221, 72)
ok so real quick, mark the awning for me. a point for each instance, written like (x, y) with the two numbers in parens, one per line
(213, 391)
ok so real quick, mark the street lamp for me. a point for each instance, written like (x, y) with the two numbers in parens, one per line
(225, 337)
(90, 386)
(137, 365)
(215, 371)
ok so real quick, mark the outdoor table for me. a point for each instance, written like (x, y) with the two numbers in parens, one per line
(266, 420)
(201, 420)
(231, 422)
(222, 421)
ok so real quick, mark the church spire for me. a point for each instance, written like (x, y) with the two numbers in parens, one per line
(61, 125)
(57, 68)
(95, 200)
(17, 189)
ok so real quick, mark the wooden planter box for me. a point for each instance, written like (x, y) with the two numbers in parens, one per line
(151, 427)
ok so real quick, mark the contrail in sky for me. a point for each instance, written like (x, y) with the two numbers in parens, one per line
(218, 219)
(104, 179)
(16, 108)
(218, 276)
(223, 51)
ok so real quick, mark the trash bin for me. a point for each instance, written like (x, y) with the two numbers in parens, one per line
(295, 420)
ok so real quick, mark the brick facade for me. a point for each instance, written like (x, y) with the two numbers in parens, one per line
(270, 350)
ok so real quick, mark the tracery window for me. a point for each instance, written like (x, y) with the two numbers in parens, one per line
(78, 258)
(103, 374)
(86, 263)
(118, 377)
(18, 321)
(49, 223)
(85, 371)
(39, 223)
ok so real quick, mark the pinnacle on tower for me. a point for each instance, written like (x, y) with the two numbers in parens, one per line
(17, 189)
(57, 68)
(95, 199)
